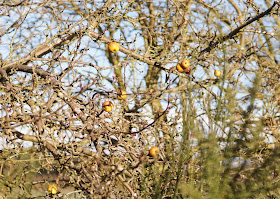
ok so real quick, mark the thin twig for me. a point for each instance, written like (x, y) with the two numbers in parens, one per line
(237, 30)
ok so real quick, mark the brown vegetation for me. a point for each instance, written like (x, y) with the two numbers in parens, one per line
(82, 114)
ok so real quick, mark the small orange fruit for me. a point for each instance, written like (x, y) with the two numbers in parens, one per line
(114, 47)
(185, 63)
(121, 95)
(108, 106)
(179, 68)
(154, 151)
(187, 70)
(52, 189)
(217, 73)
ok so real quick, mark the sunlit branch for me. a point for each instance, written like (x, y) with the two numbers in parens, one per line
(237, 30)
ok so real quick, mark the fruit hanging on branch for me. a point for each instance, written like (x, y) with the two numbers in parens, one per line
(179, 68)
(114, 47)
(185, 63)
(153, 151)
(121, 95)
(184, 66)
(217, 73)
(52, 189)
(107, 106)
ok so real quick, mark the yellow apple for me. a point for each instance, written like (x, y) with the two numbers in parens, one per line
(114, 47)
(217, 73)
(121, 95)
(108, 106)
(153, 151)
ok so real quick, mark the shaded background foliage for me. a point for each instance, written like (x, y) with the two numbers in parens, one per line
(218, 137)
